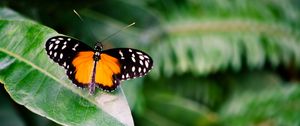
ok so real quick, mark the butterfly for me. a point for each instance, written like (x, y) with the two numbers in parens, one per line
(94, 67)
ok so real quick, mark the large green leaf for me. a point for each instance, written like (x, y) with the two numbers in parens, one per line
(205, 37)
(33, 80)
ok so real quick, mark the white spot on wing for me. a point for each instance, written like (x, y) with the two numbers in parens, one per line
(53, 39)
(123, 76)
(133, 59)
(146, 63)
(69, 39)
(139, 53)
(55, 54)
(141, 57)
(120, 52)
(50, 52)
(144, 70)
(51, 45)
(61, 56)
(140, 69)
(65, 43)
(63, 47)
(133, 69)
(57, 42)
(55, 47)
(146, 56)
(141, 62)
(130, 50)
(132, 55)
(74, 48)
(127, 75)
(60, 38)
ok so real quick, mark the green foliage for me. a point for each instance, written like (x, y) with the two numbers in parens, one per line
(33, 80)
(276, 106)
(216, 62)
(208, 42)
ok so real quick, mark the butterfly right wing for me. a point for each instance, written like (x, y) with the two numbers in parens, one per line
(133, 63)
(63, 50)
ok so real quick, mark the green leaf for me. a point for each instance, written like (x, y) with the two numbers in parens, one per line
(35, 81)
(8, 14)
(172, 111)
(208, 46)
(274, 106)
(207, 37)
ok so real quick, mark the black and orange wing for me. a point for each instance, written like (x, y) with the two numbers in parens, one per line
(133, 63)
(103, 71)
(114, 65)
(107, 69)
(63, 50)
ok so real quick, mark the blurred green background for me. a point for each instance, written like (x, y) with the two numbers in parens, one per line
(216, 62)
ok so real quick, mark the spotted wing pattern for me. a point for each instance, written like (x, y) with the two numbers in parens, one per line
(134, 63)
(62, 50)
(114, 64)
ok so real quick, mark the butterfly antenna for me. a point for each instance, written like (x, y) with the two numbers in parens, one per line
(90, 29)
(78, 15)
(113, 34)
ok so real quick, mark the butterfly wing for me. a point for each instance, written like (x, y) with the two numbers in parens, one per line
(114, 65)
(106, 70)
(133, 63)
(63, 50)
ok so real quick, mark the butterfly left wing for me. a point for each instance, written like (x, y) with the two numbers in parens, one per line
(63, 50)
(133, 63)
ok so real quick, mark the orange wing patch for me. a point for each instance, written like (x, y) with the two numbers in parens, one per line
(84, 64)
(106, 67)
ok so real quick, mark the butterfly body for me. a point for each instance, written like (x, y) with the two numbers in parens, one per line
(94, 67)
